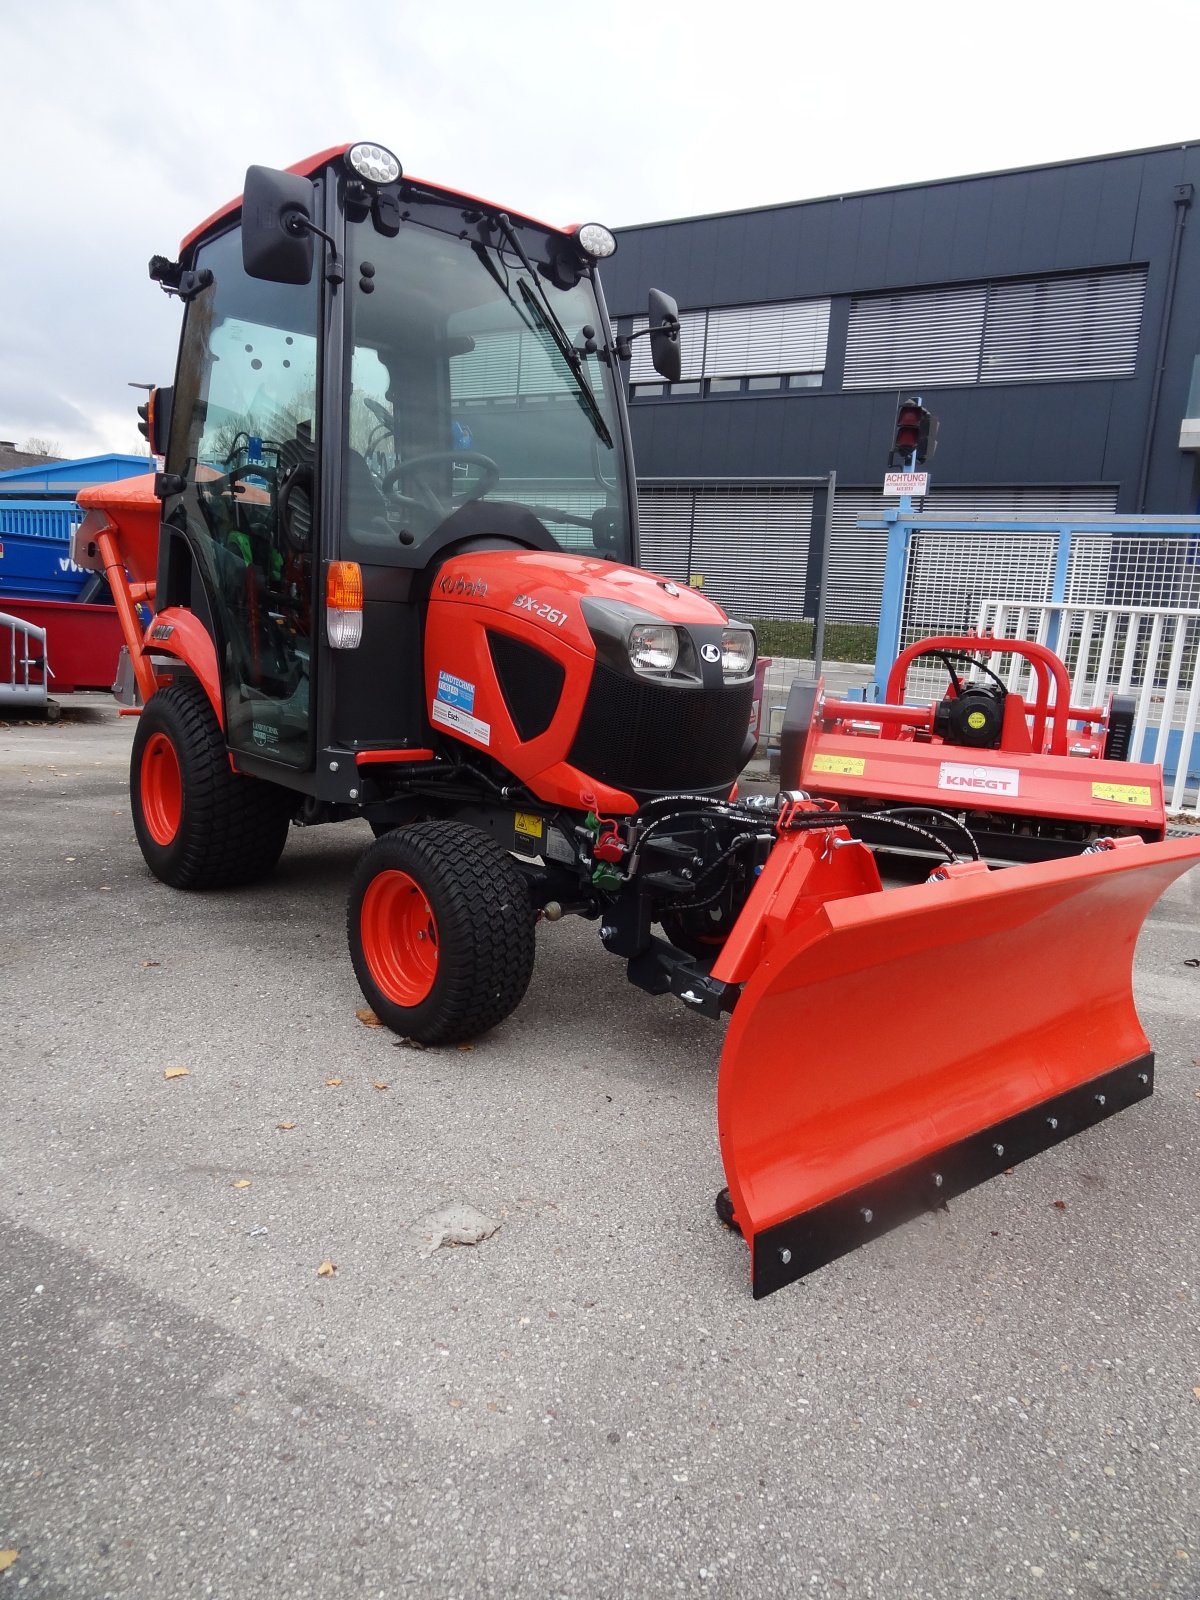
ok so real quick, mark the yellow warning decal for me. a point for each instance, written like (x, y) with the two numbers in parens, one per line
(1130, 794)
(848, 766)
(531, 826)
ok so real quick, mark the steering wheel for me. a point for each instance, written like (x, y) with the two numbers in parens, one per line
(425, 498)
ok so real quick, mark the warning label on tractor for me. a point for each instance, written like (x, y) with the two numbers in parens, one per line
(1130, 794)
(979, 780)
(461, 722)
(456, 691)
(528, 824)
(848, 766)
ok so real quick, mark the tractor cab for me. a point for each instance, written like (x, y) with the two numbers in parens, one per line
(373, 374)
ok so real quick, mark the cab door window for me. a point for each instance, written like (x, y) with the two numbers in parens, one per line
(246, 441)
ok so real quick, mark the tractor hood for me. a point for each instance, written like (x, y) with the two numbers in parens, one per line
(575, 600)
(582, 676)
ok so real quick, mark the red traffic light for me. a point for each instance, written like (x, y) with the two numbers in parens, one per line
(913, 436)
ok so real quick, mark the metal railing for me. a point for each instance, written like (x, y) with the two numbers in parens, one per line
(24, 673)
(1151, 653)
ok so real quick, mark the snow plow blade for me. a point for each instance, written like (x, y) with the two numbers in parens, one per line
(891, 1049)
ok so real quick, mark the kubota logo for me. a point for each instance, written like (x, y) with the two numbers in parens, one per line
(981, 780)
(710, 653)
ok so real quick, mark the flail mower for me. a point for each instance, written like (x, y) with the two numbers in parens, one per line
(390, 560)
(1032, 777)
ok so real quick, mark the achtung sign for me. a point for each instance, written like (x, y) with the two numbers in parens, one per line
(906, 483)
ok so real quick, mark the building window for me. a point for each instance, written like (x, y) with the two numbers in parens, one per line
(734, 343)
(1020, 330)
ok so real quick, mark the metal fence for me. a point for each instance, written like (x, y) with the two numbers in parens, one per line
(1118, 598)
(24, 674)
(1149, 653)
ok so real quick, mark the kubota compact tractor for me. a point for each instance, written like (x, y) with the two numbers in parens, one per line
(1033, 778)
(390, 562)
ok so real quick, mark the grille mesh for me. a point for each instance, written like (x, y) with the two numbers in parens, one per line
(639, 735)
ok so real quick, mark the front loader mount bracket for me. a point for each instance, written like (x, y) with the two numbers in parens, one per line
(792, 1249)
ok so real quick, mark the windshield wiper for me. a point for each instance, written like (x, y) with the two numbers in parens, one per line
(539, 304)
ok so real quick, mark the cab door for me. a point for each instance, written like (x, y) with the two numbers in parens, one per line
(245, 440)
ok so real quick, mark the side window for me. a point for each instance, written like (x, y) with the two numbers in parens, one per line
(245, 440)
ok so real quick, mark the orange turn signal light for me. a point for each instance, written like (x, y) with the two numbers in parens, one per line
(343, 604)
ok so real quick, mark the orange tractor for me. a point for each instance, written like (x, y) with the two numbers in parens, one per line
(390, 558)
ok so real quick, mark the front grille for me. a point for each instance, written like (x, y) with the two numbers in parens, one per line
(640, 735)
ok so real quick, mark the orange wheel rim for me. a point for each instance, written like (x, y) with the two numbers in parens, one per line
(399, 938)
(162, 789)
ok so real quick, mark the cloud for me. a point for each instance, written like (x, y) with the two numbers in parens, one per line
(127, 124)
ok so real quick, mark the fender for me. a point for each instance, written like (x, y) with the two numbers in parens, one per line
(178, 632)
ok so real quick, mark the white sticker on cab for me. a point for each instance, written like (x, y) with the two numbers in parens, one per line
(461, 722)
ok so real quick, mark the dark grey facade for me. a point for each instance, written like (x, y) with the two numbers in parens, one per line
(1052, 316)
(1111, 211)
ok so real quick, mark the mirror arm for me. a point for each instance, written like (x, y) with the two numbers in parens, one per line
(296, 222)
(622, 344)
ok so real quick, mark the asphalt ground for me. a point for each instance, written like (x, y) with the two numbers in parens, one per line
(1001, 1399)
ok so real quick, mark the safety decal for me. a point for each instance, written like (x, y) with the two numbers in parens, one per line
(1130, 794)
(979, 780)
(848, 766)
(456, 692)
(529, 825)
(461, 721)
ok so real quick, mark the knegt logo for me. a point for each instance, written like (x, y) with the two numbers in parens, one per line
(979, 780)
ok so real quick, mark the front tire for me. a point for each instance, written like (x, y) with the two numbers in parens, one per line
(199, 824)
(441, 931)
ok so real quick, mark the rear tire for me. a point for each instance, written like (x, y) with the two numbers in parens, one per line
(441, 931)
(199, 824)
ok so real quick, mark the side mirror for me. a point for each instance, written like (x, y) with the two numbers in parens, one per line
(665, 352)
(273, 248)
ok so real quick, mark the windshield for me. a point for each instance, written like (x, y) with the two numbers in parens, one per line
(469, 385)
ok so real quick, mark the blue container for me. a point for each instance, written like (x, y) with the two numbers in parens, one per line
(38, 515)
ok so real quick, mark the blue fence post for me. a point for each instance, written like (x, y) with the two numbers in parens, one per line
(891, 608)
(1058, 584)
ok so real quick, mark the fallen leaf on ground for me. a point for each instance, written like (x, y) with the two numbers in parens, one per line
(176, 1072)
(326, 1269)
(1196, 1391)
(242, 1183)
(408, 1044)
(383, 1085)
(7, 1557)
(453, 1224)
(333, 1083)
(285, 1127)
(466, 1047)
(368, 1019)
(1060, 1205)
(151, 963)
(456, 1403)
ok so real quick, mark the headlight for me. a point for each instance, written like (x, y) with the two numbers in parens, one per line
(653, 647)
(737, 652)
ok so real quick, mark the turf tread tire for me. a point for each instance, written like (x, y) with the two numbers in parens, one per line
(485, 926)
(232, 829)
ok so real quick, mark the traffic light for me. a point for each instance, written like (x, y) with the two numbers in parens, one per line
(915, 435)
(146, 413)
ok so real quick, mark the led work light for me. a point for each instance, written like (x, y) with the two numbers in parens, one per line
(373, 162)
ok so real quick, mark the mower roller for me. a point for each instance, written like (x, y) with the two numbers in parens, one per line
(390, 559)
(1035, 778)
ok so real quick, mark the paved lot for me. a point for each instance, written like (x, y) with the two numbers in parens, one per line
(998, 1400)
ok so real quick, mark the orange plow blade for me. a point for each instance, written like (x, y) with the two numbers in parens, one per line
(900, 1046)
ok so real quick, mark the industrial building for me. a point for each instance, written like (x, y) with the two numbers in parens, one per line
(1049, 316)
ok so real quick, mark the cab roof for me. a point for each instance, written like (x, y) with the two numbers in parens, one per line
(313, 164)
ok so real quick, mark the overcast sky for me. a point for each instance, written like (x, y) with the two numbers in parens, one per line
(126, 123)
